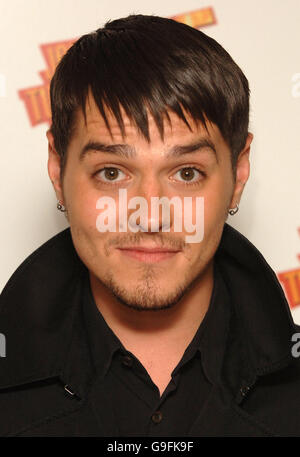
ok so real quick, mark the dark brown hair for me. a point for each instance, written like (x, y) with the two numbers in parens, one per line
(149, 62)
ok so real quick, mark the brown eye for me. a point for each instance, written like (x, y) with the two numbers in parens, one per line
(189, 174)
(110, 174)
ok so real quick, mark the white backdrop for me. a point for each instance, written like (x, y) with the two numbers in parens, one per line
(263, 36)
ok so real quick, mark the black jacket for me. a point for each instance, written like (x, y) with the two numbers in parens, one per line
(47, 374)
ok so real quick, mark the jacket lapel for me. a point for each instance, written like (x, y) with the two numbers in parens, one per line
(222, 417)
(40, 316)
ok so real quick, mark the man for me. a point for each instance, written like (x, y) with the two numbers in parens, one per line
(122, 325)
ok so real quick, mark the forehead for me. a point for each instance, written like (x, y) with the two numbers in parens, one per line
(175, 129)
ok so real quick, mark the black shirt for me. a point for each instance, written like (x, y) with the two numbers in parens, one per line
(125, 399)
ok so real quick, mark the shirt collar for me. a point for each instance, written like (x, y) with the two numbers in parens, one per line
(209, 339)
(102, 340)
(216, 328)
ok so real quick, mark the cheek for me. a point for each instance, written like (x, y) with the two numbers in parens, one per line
(214, 208)
(216, 201)
(81, 199)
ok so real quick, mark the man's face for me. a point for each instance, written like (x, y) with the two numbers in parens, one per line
(146, 280)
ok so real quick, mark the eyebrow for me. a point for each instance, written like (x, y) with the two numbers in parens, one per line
(129, 152)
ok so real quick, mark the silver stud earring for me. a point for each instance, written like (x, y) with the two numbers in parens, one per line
(232, 211)
(60, 207)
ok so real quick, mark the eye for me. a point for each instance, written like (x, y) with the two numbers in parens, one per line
(109, 174)
(189, 175)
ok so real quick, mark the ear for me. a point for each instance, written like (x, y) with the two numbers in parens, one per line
(242, 172)
(54, 167)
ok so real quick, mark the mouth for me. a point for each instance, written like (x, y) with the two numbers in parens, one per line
(150, 255)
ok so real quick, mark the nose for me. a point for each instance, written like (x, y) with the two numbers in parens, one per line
(149, 209)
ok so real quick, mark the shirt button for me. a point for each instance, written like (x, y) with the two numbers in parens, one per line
(244, 390)
(157, 417)
(127, 361)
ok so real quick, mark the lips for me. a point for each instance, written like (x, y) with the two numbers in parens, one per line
(148, 249)
(148, 254)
